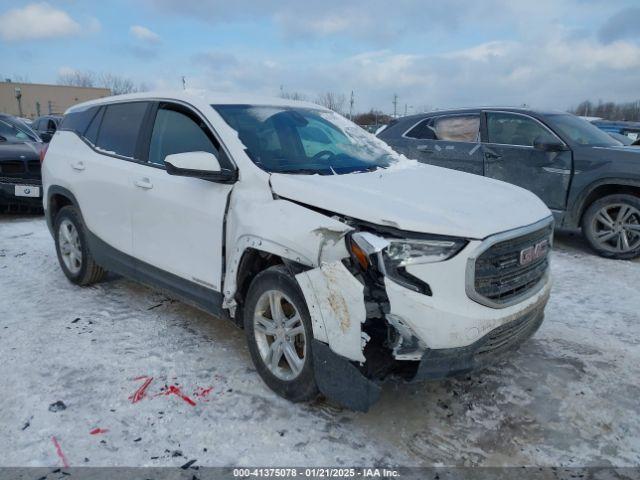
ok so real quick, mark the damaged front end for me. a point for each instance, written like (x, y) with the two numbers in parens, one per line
(377, 316)
(358, 341)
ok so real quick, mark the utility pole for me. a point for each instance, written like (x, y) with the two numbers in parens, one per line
(184, 83)
(351, 106)
(395, 105)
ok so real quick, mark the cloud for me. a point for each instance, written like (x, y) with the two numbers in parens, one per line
(378, 22)
(36, 21)
(554, 72)
(144, 34)
(623, 25)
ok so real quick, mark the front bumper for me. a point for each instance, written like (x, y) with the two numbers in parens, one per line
(8, 193)
(494, 346)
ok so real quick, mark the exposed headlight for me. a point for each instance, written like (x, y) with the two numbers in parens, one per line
(412, 252)
(402, 253)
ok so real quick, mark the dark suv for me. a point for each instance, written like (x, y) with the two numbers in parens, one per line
(46, 126)
(20, 178)
(585, 177)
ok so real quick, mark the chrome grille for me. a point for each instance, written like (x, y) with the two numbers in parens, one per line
(500, 275)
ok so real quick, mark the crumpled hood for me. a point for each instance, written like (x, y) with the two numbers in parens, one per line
(418, 198)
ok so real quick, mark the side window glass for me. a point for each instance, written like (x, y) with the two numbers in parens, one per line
(51, 126)
(92, 132)
(120, 126)
(177, 132)
(422, 131)
(457, 128)
(509, 129)
(36, 125)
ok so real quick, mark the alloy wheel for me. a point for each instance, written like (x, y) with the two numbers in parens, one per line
(70, 247)
(280, 335)
(616, 228)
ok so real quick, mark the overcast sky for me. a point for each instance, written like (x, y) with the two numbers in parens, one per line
(545, 53)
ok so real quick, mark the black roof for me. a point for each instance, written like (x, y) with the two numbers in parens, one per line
(530, 111)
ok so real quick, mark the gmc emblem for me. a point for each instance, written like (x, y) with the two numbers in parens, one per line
(534, 252)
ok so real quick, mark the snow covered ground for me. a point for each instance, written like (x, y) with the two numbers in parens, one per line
(120, 375)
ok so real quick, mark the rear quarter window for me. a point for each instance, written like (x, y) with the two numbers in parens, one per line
(74, 121)
(120, 127)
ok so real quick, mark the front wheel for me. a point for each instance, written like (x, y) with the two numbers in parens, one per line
(612, 226)
(278, 329)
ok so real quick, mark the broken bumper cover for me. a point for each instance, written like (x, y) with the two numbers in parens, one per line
(494, 346)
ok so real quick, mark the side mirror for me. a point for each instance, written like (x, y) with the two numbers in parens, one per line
(549, 145)
(202, 165)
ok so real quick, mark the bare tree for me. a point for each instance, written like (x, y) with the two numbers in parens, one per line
(333, 101)
(628, 111)
(117, 84)
(292, 95)
(77, 78)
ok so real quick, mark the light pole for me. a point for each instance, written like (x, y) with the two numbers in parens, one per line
(19, 99)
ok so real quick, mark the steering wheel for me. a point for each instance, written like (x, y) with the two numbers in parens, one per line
(322, 153)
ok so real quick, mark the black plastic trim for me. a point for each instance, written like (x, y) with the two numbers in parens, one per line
(339, 380)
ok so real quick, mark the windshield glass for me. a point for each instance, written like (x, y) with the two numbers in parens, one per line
(305, 140)
(581, 132)
(15, 131)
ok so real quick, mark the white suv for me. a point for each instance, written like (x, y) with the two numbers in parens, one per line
(344, 263)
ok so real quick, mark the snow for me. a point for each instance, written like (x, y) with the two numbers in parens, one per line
(568, 397)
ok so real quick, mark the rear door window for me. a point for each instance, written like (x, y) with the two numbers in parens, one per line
(450, 128)
(120, 127)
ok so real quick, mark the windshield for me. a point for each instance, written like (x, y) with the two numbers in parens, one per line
(305, 140)
(15, 131)
(581, 132)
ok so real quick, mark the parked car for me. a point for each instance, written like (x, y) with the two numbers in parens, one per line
(344, 262)
(628, 129)
(46, 126)
(623, 139)
(584, 176)
(20, 181)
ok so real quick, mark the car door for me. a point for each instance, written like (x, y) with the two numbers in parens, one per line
(510, 156)
(178, 222)
(450, 141)
(101, 169)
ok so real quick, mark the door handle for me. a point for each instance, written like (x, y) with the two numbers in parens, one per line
(144, 183)
(492, 156)
(424, 148)
(78, 165)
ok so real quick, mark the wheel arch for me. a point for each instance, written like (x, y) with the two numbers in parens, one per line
(57, 198)
(598, 190)
(252, 262)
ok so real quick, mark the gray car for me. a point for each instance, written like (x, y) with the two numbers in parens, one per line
(586, 178)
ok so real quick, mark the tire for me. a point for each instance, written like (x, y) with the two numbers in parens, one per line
(296, 385)
(83, 270)
(611, 225)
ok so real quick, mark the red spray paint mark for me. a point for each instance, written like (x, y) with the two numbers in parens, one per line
(142, 391)
(202, 392)
(98, 431)
(61, 456)
(173, 390)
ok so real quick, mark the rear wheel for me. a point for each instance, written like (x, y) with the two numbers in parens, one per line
(612, 226)
(278, 330)
(72, 249)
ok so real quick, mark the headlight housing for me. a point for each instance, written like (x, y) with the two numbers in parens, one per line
(403, 252)
(392, 255)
